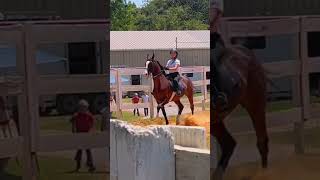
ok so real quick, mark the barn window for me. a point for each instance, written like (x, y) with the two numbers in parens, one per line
(135, 79)
(188, 74)
(313, 44)
(253, 42)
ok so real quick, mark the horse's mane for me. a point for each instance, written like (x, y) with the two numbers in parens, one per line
(161, 67)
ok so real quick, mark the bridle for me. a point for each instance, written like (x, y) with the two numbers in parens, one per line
(157, 75)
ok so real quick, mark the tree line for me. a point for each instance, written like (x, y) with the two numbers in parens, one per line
(159, 15)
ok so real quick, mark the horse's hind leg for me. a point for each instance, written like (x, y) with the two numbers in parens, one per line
(180, 106)
(227, 144)
(190, 98)
(257, 114)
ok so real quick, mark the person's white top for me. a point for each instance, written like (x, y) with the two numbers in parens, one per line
(145, 98)
(172, 63)
(218, 4)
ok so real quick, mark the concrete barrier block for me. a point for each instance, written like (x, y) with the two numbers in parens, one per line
(189, 136)
(141, 153)
(192, 163)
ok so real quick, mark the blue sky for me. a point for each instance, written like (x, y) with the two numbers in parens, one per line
(137, 2)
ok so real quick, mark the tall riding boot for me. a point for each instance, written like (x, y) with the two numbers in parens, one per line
(176, 87)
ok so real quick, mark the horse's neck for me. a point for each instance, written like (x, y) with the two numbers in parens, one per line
(160, 83)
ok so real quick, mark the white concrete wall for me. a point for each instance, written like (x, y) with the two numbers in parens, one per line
(189, 136)
(192, 163)
(141, 153)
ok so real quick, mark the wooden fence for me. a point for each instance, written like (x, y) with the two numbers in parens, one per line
(119, 88)
(298, 68)
(27, 85)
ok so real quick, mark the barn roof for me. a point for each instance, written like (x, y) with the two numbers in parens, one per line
(143, 40)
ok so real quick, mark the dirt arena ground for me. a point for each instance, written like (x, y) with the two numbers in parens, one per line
(295, 167)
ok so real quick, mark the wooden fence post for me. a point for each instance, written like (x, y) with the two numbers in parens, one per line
(118, 94)
(305, 91)
(151, 99)
(32, 79)
(204, 88)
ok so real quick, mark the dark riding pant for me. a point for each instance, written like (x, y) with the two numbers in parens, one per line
(174, 77)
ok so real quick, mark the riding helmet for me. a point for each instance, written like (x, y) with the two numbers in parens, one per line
(174, 50)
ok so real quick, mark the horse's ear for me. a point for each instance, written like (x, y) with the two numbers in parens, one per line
(147, 56)
(152, 56)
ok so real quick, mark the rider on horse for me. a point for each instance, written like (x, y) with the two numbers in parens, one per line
(217, 45)
(173, 66)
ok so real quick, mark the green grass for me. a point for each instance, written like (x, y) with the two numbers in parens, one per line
(53, 168)
(61, 123)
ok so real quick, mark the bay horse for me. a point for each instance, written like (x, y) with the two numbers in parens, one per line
(240, 64)
(162, 90)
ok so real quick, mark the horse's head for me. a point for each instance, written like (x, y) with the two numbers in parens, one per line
(152, 66)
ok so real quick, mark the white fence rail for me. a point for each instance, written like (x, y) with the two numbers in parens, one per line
(28, 85)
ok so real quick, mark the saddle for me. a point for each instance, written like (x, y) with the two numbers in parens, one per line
(181, 85)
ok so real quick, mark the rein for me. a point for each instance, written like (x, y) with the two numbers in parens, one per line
(155, 76)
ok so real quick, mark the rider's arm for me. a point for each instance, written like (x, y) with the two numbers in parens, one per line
(175, 68)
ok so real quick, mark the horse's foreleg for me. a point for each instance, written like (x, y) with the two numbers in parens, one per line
(164, 114)
(180, 106)
(227, 144)
(158, 110)
(259, 122)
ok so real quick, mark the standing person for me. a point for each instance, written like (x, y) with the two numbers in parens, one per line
(145, 99)
(173, 65)
(4, 118)
(83, 122)
(216, 12)
(135, 100)
(112, 104)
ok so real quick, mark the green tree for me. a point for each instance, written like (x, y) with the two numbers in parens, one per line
(160, 15)
(123, 17)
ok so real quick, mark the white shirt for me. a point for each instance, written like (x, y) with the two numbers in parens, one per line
(145, 98)
(172, 63)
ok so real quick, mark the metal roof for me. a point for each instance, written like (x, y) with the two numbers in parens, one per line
(156, 40)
